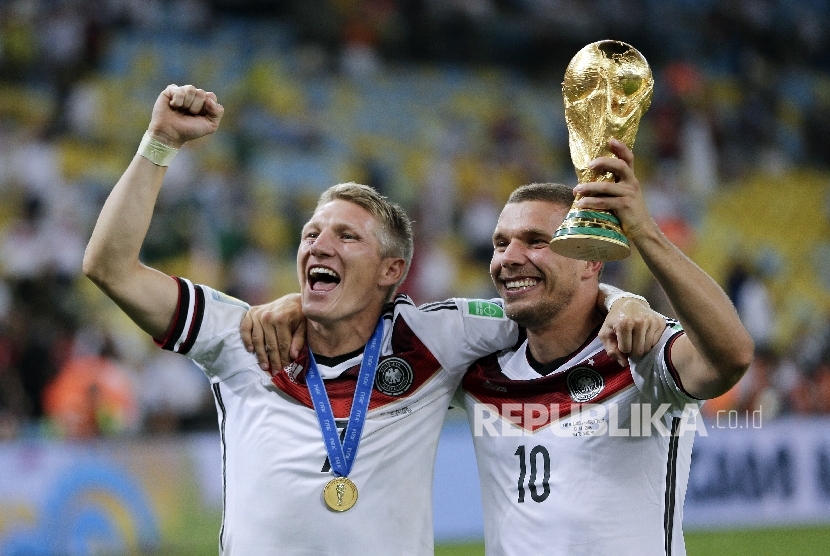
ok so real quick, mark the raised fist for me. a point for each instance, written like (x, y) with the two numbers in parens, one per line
(183, 113)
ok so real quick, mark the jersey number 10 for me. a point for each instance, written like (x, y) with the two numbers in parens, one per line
(535, 452)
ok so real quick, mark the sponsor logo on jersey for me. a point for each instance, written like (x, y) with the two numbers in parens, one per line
(491, 386)
(584, 384)
(394, 376)
(484, 309)
(293, 370)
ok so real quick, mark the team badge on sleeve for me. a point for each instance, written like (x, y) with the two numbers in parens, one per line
(483, 309)
(394, 376)
(584, 384)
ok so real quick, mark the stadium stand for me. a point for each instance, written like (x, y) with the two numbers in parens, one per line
(443, 106)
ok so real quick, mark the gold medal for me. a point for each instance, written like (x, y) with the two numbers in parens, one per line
(340, 494)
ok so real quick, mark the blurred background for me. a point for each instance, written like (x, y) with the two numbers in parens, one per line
(108, 445)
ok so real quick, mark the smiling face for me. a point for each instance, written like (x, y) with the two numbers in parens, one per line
(342, 274)
(535, 283)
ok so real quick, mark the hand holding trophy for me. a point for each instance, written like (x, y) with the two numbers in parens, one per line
(607, 88)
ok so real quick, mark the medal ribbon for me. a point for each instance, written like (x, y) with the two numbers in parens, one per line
(342, 455)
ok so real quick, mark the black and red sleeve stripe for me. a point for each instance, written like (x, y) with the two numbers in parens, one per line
(187, 319)
(672, 369)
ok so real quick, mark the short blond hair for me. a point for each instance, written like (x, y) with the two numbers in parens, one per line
(395, 231)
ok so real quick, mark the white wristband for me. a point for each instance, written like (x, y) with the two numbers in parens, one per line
(613, 295)
(155, 151)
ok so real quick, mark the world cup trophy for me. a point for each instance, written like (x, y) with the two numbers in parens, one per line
(607, 88)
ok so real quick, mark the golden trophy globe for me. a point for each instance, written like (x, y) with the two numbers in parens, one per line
(607, 88)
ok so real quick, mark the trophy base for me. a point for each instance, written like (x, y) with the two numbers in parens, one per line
(591, 235)
(589, 248)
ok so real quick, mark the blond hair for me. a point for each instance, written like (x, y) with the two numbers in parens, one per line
(395, 230)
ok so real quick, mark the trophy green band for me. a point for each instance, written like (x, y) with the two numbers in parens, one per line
(607, 88)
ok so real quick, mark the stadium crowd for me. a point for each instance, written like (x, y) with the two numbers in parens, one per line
(444, 106)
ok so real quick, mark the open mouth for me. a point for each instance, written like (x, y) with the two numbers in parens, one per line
(520, 284)
(322, 279)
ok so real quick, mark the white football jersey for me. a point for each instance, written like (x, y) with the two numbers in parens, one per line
(591, 458)
(274, 462)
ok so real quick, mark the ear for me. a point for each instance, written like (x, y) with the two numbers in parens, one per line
(591, 269)
(392, 269)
